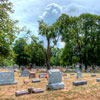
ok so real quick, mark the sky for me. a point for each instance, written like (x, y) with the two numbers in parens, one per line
(29, 12)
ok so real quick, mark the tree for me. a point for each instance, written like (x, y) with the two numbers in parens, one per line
(35, 52)
(8, 28)
(55, 56)
(22, 58)
(51, 35)
(82, 39)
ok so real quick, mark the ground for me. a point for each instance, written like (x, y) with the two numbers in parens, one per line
(91, 91)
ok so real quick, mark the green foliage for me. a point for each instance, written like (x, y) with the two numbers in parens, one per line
(55, 56)
(82, 39)
(8, 29)
(22, 58)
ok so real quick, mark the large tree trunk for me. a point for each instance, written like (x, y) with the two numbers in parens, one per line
(48, 54)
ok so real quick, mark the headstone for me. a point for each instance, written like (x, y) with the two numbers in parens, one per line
(32, 75)
(23, 68)
(37, 90)
(18, 93)
(7, 78)
(79, 75)
(72, 74)
(24, 73)
(77, 83)
(55, 79)
(36, 80)
(77, 68)
(64, 74)
(78, 71)
(42, 76)
(98, 79)
(93, 75)
(26, 81)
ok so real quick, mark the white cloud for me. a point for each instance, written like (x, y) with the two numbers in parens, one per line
(51, 13)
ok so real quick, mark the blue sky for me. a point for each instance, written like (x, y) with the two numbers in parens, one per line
(28, 12)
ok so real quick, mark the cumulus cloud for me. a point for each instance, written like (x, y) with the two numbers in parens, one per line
(76, 9)
(51, 13)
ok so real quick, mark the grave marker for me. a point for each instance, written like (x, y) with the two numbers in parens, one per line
(24, 73)
(7, 78)
(55, 79)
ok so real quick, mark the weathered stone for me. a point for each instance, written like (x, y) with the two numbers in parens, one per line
(55, 86)
(64, 74)
(72, 74)
(37, 90)
(77, 83)
(36, 80)
(93, 75)
(32, 73)
(24, 73)
(42, 76)
(98, 79)
(31, 76)
(7, 78)
(54, 76)
(77, 68)
(26, 81)
(18, 93)
(55, 79)
(79, 75)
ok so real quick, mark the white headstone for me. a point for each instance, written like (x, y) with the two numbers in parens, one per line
(55, 79)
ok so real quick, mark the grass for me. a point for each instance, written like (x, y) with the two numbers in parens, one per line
(91, 91)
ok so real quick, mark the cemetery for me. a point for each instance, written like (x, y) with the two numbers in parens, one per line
(60, 85)
(49, 50)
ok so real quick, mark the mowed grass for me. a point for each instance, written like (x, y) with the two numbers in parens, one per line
(91, 91)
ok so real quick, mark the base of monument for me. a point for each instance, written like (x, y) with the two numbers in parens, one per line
(8, 83)
(55, 86)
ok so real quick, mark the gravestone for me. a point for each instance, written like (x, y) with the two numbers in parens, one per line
(72, 74)
(78, 71)
(24, 73)
(64, 74)
(98, 79)
(32, 75)
(18, 93)
(26, 81)
(55, 79)
(37, 90)
(42, 76)
(36, 80)
(77, 68)
(93, 75)
(7, 78)
(77, 83)
(79, 74)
